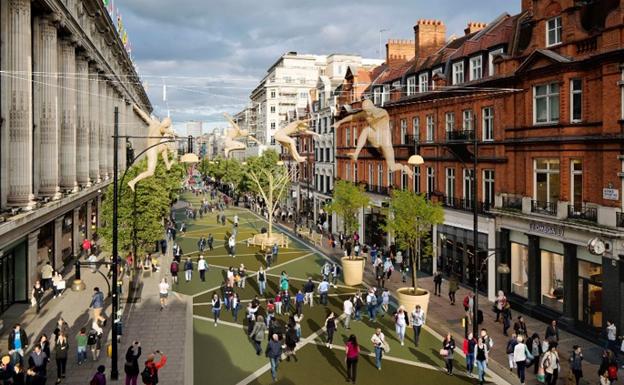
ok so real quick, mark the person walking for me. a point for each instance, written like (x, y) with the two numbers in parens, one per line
(163, 293)
(550, 363)
(173, 269)
(612, 338)
(210, 241)
(330, 328)
(448, 347)
(608, 367)
(257, 334)
(216, 307)
(274, 353)
(520, 327)
(299, 300)
(507, 318)
(552, 332)
(358, 304)
(323, 290)
(385, 301)
(94, 340)
(347, 310)
(37, 295)
(535, 347)
(188, 270)
(261, 277)
(99, 378)
(401, 321)
(232, 246)
(437, 283)
(81, 346)
(352, 350)
(521, 355)
(511, 345)
(97, 305)
(481, 359)
(202, 266)
(38, 360)
(469, 352)
(379, 341)
(242, 274)
(453, 287)
(290, 340)
(499, 304)
(18, 343)
(308, 292)
(274, 252)
(46, 275)
(150, 372)
(61, 349)
(418, 320)
(576, 363)
(131, 367)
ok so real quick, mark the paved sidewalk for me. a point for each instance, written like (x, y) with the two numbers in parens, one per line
(443, 317)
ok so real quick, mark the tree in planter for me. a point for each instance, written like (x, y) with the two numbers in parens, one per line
(413, 215)
(347, 201)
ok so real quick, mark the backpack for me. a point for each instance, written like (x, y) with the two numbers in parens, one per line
(466, 301)
(174, 267)
(148, 376)
(510, 347)
(374, 300)
(91, 338)
(612, 371)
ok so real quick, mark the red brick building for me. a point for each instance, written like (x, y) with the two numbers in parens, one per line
(542, 92)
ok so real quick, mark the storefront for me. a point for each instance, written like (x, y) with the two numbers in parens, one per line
(13, 274)
(456, 255)
(374, 234)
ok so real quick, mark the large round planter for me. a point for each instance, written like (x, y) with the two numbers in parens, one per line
(353, 270)
(406, 297)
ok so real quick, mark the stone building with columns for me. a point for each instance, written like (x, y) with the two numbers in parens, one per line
(63, 71)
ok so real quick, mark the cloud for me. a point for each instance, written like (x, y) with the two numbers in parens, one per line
(212, 53)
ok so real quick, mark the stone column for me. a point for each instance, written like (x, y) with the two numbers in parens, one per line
(103, 130)
(82, 121)
(94, 125)
(535, 271)
(33, 259)
(110, 109)
(45, 65)
(17, 104)
(88, 215)
(98, 220)
(58, 240)
(76, 238)
(570, 285)
(67, 93)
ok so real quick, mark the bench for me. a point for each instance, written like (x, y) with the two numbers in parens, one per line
(315, 238)
(259, 240)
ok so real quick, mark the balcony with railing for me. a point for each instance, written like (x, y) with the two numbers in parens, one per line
(375, 189)
(582, 212)
(460, 136)
(547, 208)
(465, 204)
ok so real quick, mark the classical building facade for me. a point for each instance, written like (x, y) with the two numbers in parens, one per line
(541, 94)
(64, 71)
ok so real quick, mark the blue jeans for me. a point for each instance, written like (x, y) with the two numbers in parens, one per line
(81, 353)
(358, 315)
(274, 365)
(482, 368)
(470, 362)
(262, 287)
(235, 312)
(323, 299)
(378, 355)
(371, 311)
(216, 313)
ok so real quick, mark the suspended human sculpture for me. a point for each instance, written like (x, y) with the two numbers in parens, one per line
(283, 136)
(157, 132)
(230, 144)
(377, 133)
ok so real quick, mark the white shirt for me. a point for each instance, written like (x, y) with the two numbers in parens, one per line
(163, 287)
(347, 307)
(378, 340)
(418, 317)
(400, 319)
(231, 242)
(519, 353)
(202, 265)
(611, 332)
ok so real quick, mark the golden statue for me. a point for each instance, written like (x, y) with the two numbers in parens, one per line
(156, 130)
(230, 144)
(283, 136)
(377, 133)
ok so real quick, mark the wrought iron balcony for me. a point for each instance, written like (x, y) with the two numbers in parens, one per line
(579, 211)
(548, 208)
(460, 136)
(464, 204)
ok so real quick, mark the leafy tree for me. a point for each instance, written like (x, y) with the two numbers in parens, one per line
(347, 201)
(412, 217)
(141, 214)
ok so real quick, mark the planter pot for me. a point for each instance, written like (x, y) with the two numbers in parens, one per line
(409, 300)
(353, 270)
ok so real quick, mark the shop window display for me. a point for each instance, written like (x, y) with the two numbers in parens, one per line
(552, 280)
(590, 293)
(520, 270)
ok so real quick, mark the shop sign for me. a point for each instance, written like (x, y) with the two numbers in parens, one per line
(547, 229)
(611, 194)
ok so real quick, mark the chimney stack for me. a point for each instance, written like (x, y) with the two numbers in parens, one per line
(527, 5)
(474, 26)
(399, 51)
(430, 36)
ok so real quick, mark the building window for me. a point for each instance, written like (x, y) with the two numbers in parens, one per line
(488, 123)
(423, 82)
(272, 94)
(411, 85)
(458, 73)
(327, 155)
(355, 138)
(546, 103)
(438, 70)
(492, 54)
(450, 185)
(450, 121)
(576, 184)
(272, 125)
(488, 187)
(396, 85)
(520, 270)
(553, 31)
(468, 180)
(379, 175)
(347, 171)
(576, 100)
(417, 179)
(390, 178)
(303, 95)
(430, 128)
(468, 120)
(272, 109)
(476, 68)
(377, 95)
(371, 176)
(385, 95)
(355, 173)
(552, 280)
(546, 180)
(430, 180)
(404, 180)
(403, 131)
(348, 137)
(416, 128)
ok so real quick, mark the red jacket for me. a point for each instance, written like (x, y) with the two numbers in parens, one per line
(154, 366)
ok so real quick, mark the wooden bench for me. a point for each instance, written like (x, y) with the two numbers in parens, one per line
(315, 238)
(260, 240)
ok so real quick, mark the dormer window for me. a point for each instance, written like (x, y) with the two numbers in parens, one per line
(491, 69)
(411, 85)
(458, 72)
(553, 31)
(423, 82)
(476, 68)
(438, 70)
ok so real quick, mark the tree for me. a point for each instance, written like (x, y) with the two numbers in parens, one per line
(412, 217)
(141, 214)
(347, 201)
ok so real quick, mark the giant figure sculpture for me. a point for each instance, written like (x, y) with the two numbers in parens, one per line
(157, 132)
(230, 144)
(283, 136)
(377, 133)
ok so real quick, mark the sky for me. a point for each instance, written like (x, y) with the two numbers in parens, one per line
(211, 54)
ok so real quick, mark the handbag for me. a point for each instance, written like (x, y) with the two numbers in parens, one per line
(444, 353)
(541, 376)
(386, 347)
